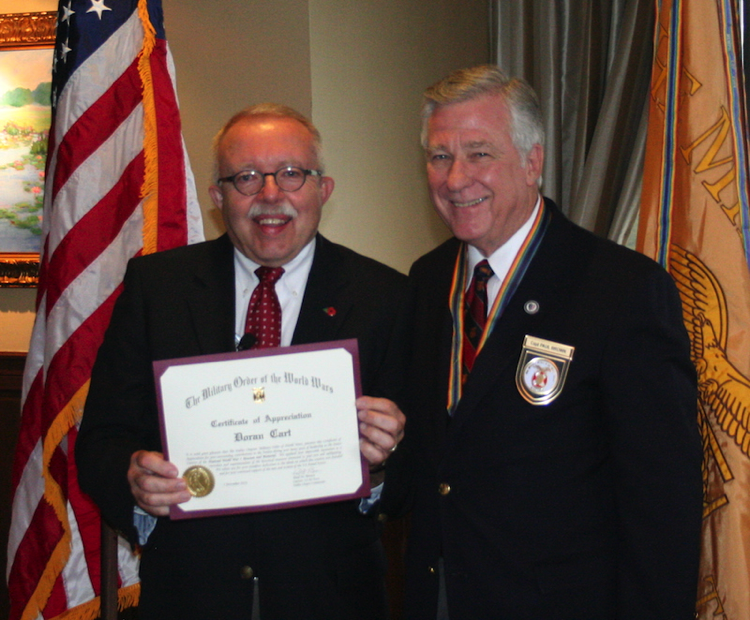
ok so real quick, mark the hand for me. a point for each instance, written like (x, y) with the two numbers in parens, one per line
(155, 484)
(381, 425)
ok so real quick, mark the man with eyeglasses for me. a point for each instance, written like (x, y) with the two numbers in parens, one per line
(323, 561)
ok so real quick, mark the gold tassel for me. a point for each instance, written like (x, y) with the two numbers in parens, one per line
(150, 188)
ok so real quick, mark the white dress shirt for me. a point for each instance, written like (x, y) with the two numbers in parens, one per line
(502, 258)
(290, 289)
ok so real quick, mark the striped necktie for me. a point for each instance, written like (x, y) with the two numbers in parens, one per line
(475, 315)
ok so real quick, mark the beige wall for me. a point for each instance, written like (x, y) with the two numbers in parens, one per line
(359, 66)
(371, 60)
(249, 51)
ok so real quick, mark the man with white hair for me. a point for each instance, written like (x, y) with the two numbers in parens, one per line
(552, 459)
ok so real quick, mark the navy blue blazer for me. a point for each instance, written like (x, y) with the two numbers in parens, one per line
(588, 507)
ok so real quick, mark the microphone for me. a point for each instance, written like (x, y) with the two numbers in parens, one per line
(247, 342)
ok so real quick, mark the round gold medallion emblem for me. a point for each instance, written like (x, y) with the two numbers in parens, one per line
(199, 479)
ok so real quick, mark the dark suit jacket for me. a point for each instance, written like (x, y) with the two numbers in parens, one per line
(314, 562)
(585, 508)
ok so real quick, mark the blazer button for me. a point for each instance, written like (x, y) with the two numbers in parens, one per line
(431, 570)
(246, 572)
(444, 488)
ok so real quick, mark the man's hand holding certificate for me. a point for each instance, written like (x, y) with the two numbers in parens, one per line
(266, 429)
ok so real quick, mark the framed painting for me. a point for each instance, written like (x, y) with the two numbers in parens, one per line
(26, 49)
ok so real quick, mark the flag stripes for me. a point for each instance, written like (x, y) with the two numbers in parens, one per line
(118, 184)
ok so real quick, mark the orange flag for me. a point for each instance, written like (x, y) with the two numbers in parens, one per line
(694, 218)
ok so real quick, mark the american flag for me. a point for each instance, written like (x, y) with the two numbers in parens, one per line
(118, 184)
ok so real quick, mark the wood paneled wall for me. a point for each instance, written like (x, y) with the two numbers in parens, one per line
(11, 373)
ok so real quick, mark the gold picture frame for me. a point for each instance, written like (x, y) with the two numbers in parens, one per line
(21, 173)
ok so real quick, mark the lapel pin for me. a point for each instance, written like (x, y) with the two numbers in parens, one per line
(330, 311)
(531, 306)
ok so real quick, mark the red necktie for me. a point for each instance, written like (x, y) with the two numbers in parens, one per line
(264, 311)
(475, 315)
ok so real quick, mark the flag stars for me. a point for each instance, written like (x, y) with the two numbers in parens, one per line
(97, 6)
(64, 49)
(68, 12)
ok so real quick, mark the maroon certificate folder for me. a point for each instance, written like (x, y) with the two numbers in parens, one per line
(263, 429)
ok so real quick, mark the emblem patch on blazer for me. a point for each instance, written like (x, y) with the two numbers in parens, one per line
(542, 369)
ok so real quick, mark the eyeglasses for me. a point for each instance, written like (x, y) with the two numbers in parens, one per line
(289, 179)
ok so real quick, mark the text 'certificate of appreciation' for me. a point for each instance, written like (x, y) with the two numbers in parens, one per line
(263, 429)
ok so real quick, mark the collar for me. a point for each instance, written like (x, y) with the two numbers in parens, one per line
(295, 271)
(502, 258)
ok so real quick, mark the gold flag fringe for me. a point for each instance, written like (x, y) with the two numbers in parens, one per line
(150, 188)
(71, 413)
(68, 416)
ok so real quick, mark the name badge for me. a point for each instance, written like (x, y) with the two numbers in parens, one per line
(542, 369)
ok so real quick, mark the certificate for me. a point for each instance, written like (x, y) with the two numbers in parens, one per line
(263, 429)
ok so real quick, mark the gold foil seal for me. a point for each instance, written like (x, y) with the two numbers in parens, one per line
(199, 479)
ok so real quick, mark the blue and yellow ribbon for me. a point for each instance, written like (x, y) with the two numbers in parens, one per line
(510, 284)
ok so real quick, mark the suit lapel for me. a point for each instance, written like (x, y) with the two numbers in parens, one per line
(544, 283)
(325, 304)
(212, 298)
(211, 302)
(434, 326)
